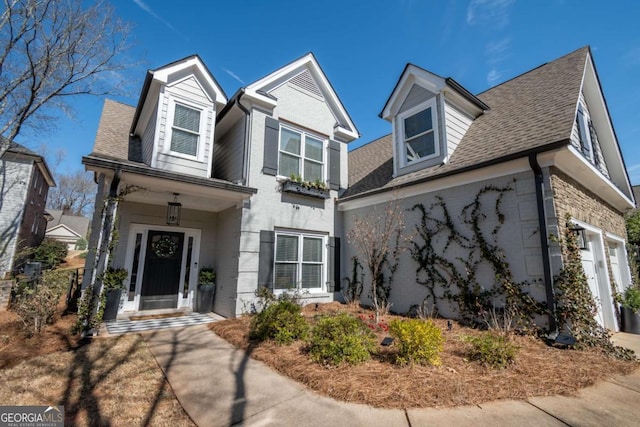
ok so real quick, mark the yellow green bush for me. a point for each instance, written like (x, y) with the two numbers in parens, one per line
(341, 338)
(417, 341)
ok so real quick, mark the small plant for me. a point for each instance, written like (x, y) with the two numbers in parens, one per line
(492, 349)
(370, 322)
(419, 341)
(114, 278)
(50, 252)
(280, 321)
(295, 178)
(36, 303)
(630, 299)
(207, 276)
(341, 338)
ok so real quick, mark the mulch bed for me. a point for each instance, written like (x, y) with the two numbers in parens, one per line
(539, 370)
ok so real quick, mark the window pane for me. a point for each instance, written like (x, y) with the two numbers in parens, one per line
(313, 149)
(290, 141)
(421, 146)
(289, 165)
(184, 142)
(311, 276)
(418, 123)
(286, 248)
(285, 276)
(312, 171)
(187, 118)
(312, 249)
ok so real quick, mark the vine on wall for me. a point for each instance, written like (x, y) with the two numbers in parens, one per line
(439, 270)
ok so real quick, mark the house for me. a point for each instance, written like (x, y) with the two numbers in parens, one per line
(260, 186)
(508, 166)
(246, 185)
(24, 185)
(66, 228)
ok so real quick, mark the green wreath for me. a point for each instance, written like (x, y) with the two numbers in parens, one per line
(165, 247)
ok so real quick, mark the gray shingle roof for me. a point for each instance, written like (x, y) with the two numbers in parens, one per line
(79, 224)
(530, 112)
(112, 138)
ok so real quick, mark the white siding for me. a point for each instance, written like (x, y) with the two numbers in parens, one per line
(227, 256)
(457, 123)
(15, 178)
(148, 138)
(229, 152)
(518, 238)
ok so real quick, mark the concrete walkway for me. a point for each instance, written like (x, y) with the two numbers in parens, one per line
(219, 385)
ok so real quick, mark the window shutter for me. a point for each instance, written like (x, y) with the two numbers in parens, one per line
(333, 284)
(334, 165)
(265, 259)
(271, 135)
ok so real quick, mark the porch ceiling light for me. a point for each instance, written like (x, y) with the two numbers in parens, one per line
(581, 236)
(174, 210)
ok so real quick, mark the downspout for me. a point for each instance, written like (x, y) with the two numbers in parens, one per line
(544, 244)
(245, 159)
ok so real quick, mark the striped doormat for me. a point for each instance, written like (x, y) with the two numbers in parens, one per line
(118, 327)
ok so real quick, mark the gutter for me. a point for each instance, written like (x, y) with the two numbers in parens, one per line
(544, 244)
(245, 159)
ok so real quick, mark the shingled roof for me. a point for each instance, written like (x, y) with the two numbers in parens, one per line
(529, 113)
(112, 139)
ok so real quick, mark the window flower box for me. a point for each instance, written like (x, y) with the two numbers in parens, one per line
(305, 189)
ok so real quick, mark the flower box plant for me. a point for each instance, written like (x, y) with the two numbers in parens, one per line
(295, 184)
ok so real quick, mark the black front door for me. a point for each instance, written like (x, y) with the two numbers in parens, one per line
(162, 265)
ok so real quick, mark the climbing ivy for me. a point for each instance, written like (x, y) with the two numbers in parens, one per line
(456, 277)
(353, 291)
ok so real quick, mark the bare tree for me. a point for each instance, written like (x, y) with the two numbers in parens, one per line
(378, 237)
(74, 191)
(51, 50)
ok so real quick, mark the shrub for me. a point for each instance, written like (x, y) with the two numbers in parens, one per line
(418, 341)
(36, 303)
(114, 278)
(630, 299)
(280, 321)
(341, 338)
(492, 349)
(81, 244)
(50, 252)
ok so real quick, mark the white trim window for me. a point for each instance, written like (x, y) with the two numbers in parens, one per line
(419, 133)
(301, 155)
(185, 130)
(299, 261)
(584, 134)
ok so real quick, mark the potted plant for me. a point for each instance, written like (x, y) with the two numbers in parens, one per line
(206, 289)
(630, 309)
(112, 287)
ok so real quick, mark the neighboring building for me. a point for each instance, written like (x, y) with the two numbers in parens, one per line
(224, 166)
(196, 180)
(545, 134)
(66, 228)
(24, 185)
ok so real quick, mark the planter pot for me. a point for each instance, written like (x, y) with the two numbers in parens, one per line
(298, 188)
(204, 301)
(630, 321)
(112, 305)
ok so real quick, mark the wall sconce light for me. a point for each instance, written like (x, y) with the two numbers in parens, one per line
(174, 209)
(581, 236)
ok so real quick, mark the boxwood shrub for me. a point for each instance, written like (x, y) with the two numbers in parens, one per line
(341, 338)
(280, 321)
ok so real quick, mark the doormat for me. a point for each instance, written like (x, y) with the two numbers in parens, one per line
(156, 316)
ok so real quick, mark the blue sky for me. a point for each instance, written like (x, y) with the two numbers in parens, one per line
(363, 47)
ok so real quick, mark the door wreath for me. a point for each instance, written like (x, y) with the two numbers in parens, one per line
(165, 247)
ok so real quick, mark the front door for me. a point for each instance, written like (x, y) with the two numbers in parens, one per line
(162, 269)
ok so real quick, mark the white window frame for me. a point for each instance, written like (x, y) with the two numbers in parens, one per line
(170, 126)
(300, 262)
(432, 103)
(301, 157)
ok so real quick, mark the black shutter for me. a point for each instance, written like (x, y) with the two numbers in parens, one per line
(271, 136)
(265, 258)
(334, 165)
(333, 284)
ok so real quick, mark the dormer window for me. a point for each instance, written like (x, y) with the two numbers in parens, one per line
(301, 155)
(185, 132)
(419, 133)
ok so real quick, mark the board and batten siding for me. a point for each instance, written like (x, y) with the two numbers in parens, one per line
(229, 153)
(148, 138)
(457, 123)
(189, 91)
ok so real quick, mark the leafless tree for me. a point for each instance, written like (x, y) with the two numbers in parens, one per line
(51, 50)
(74, 191)
(379, 238)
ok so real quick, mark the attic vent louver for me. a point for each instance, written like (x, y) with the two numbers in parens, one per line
(305, 81)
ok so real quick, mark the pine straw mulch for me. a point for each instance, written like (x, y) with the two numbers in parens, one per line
(539, 370)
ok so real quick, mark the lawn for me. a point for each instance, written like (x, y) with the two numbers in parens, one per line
(101, 381)
(539, 370)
